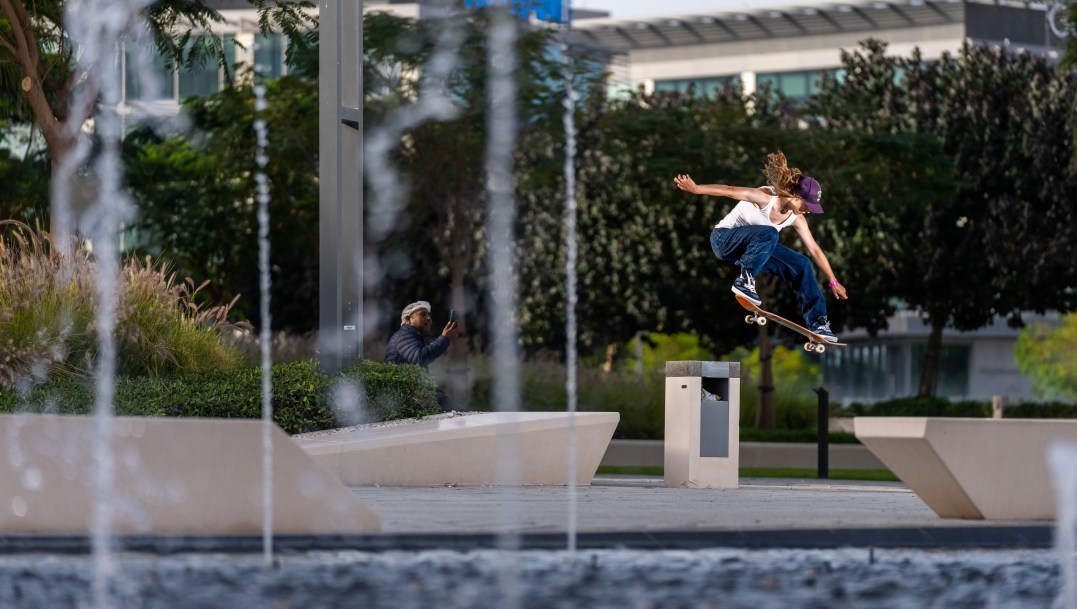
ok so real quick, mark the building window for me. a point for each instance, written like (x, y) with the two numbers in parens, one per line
(797, 86)
(200, 79)
(270, 55)
(870, 373)
(954, 361)
(146, 74)
(142, 63)
(230, 59)
(791, 84)
(699, 87)
(861, 372)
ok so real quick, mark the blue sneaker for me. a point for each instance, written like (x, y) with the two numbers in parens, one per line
(745, 286)
(822, 328)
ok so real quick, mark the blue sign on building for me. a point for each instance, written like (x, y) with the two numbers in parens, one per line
(545, 10)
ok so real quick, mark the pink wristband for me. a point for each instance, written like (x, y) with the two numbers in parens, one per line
(832, 283)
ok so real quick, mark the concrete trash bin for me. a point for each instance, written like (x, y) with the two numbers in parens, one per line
(702, 443)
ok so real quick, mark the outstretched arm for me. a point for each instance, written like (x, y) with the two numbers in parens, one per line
(753, 195)
(816, 253)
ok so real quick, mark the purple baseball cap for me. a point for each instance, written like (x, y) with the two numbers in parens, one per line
(809, 190)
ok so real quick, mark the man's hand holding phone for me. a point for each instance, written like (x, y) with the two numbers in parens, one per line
(451, 329)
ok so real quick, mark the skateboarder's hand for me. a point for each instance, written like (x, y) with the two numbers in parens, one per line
(839, 291)
(451, 330)
(685, 182)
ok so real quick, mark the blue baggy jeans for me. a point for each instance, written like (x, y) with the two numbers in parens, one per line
(756, 249)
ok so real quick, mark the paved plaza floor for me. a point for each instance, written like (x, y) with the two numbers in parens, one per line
(622, 503)
(621, 512)
(629, 511)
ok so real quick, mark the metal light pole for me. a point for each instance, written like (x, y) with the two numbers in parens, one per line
(340, 210)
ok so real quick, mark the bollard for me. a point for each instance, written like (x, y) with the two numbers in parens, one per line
(824, 433)
(998, 404)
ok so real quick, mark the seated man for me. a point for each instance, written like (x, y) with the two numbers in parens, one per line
(407, 345)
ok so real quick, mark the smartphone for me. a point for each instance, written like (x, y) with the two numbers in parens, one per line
(452, 315)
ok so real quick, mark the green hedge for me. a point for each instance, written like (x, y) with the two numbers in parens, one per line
(751, 434)
(921, 407)
(390, 391)
(303, 397)
(1044, 410)
(942, 407)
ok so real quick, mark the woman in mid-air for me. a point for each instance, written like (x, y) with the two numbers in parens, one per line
(748, 237)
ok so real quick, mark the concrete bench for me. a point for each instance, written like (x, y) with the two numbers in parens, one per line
(993, 469)
(170, 476)
(473, 449)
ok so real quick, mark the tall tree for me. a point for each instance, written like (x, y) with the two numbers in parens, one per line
(1070, 61)
(992, 247)
(645, 261)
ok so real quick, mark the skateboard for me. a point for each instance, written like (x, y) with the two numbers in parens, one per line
(815, 342)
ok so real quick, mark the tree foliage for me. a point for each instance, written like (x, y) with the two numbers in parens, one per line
(878, 190)
(1049, 355)
(645, 261)
(25, 176)
(441, 232)
(990, 244)
(46, 79)
(195, 193)
(943, 187)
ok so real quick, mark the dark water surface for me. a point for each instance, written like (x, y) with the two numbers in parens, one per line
(632, 579)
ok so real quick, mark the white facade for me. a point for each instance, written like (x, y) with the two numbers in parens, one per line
(763, 44)
(789, 46)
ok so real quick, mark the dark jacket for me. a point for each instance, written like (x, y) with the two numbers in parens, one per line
(406, 347)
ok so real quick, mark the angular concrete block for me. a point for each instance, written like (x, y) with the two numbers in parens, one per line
(993, 469)
(171, 476)
(466, 450)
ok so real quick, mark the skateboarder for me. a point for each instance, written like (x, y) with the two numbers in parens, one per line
(748, 236)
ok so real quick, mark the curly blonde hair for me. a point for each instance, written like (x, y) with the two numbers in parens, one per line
(780, 177)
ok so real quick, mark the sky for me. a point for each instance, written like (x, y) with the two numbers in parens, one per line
(630, 9)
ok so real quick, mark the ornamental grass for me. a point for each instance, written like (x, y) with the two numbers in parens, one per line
(48, 309)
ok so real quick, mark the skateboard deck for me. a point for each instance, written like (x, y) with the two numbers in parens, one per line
(815, 342)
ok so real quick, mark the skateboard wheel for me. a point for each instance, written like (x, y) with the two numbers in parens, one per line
(761, 320)
(819, 348)
(748, 319)
(809, 347)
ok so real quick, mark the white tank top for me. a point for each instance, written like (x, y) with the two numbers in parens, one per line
(746, 213)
